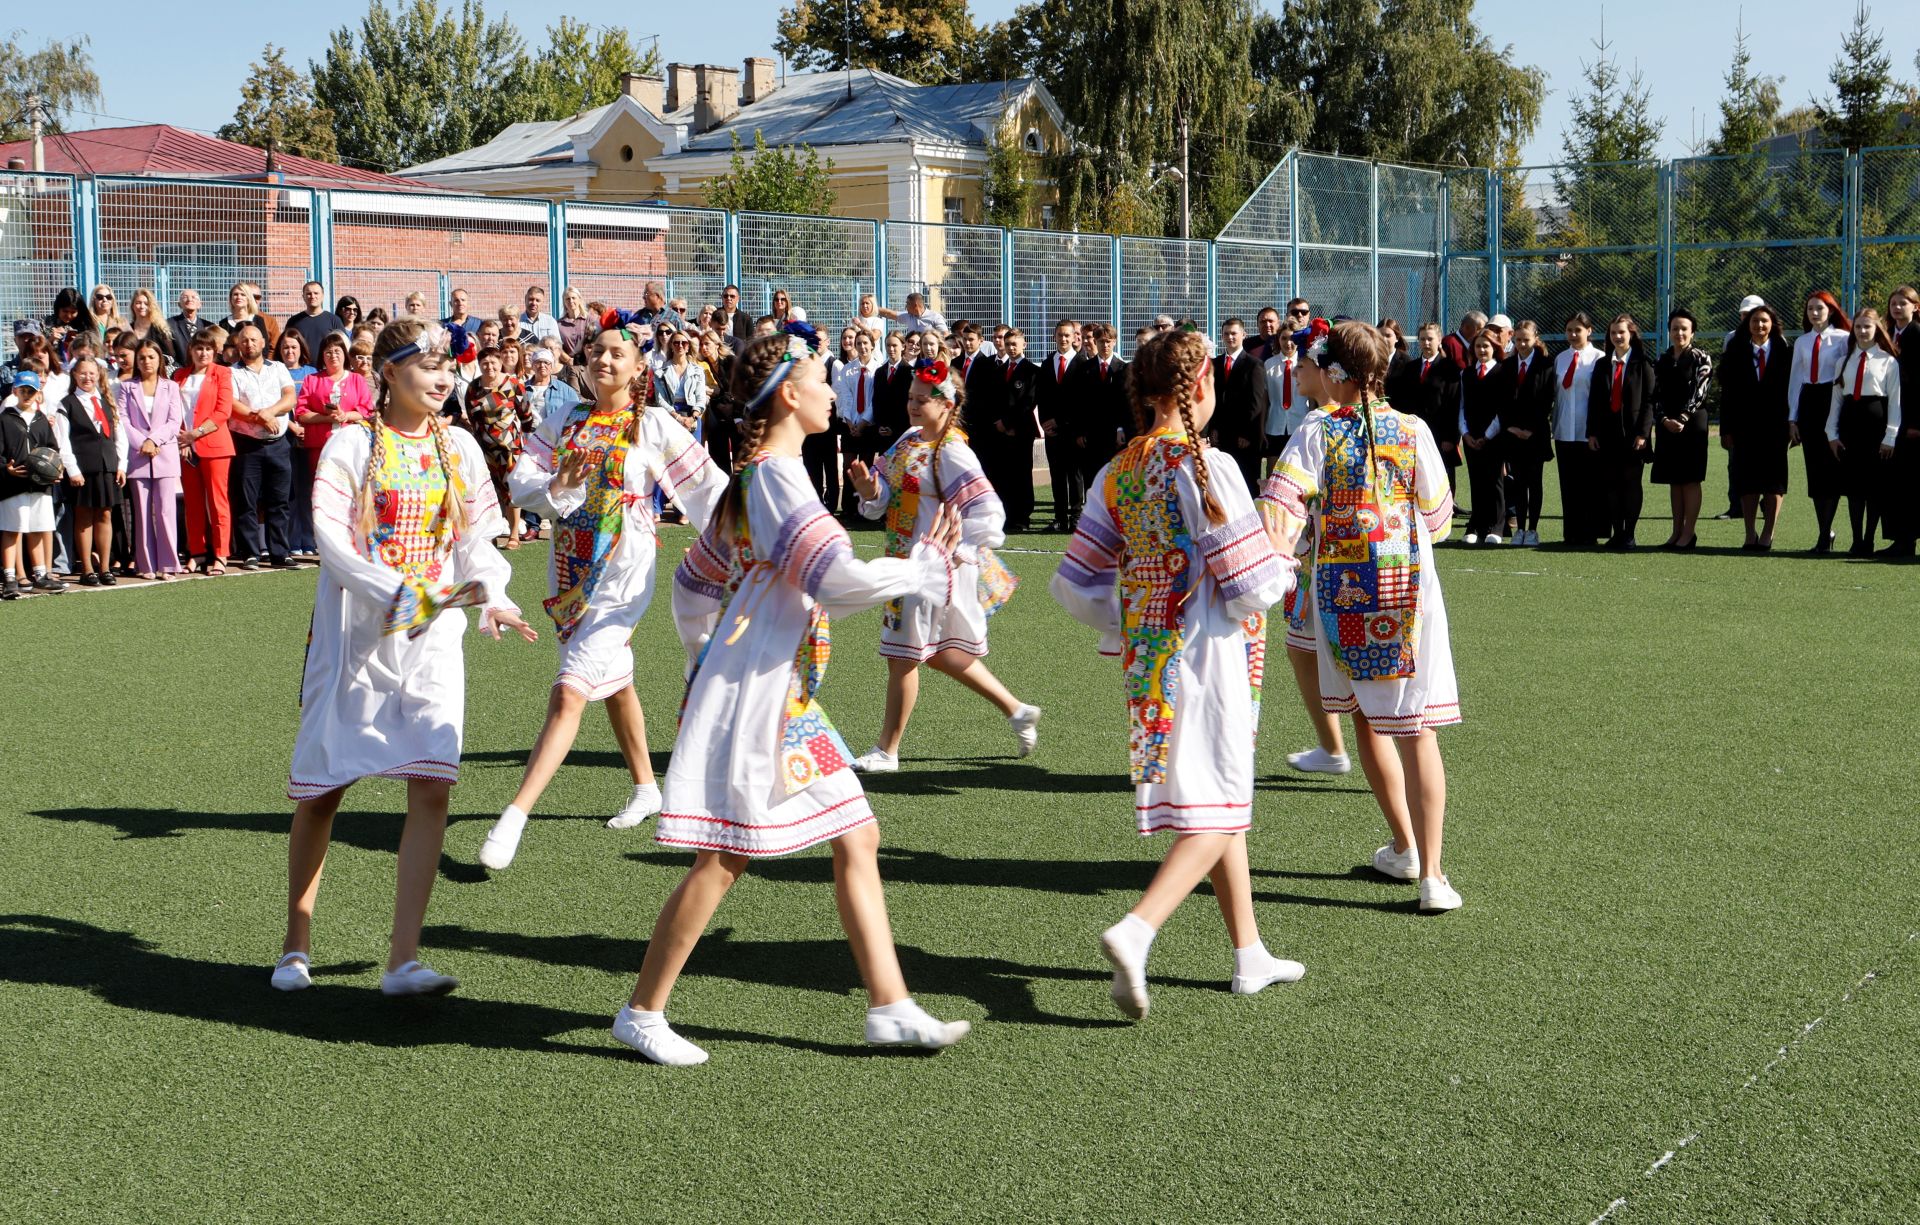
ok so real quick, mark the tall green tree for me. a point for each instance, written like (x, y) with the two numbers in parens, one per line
(929, 41)
(1009, 187)
(582, 66)
(1863, 110)
(415, 83)
(60, 73)
(774, 180)
(277, 108)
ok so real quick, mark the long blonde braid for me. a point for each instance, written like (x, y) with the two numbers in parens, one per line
(365, 519)
(456, 503)
(955, 421)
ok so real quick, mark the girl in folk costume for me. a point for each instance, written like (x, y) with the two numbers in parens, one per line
(1382, 501)
(1810, 388)
(594, 471)
(405, 518)
(1170, 563)
(930, 467)
(1864, 423)
(1329, 755)
(758, 770)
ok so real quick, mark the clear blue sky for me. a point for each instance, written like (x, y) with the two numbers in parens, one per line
(158, 65)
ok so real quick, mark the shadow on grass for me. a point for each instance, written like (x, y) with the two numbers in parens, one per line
(610, 759)
(906, 866)
(1003, 988)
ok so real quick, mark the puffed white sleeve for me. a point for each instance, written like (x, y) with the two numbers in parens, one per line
(1250, 576)
(1431, 490)
(983, 518)
(812, 551)
(700, 588)
(478, 559)
(336, 486)
(1893, 407)
(686, 471)
(1086, 582)
(530, 484)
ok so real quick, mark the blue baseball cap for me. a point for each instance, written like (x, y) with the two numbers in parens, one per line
(26, 378)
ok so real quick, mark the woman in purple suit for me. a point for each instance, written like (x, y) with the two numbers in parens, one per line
(154, 413)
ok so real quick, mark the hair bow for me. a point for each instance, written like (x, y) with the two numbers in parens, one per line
(804, 331)
(460, 343)
(433, 339)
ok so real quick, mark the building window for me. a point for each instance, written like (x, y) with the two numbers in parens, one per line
(1046, 216)
(954, 211)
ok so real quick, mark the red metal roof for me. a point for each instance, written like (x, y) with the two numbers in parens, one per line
(162, 149)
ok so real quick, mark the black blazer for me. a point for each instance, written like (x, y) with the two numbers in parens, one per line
(1062, 401)
(740, 331)
(94, 451)
(1616, 431)
(890, 401)
(1111, 404)
(1434, 399)
(985, 395)
(1750, 404)
(1485, 398)
(1240, 408)
(18, 436)
(1532, 408)
(1019, 396)
(182, 334)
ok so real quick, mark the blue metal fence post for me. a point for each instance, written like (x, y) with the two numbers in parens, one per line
(881, 287)
(1446, 240)
(731, 256)
(1113, 285)
(86, 233)
(1006, 275)
(1496, 263)
(320, 219)
(1295, 288)
(1373, 240)
(1213, 288)
(1850, 232)
(556, 252)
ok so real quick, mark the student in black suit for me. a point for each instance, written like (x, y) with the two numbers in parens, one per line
(1428, 386)
(1754, 372)
(982, 373)
(1620, 426)
(1109, 408)
(891, 383)
(1062, 390)
(1527, 430)
(1240, 396)
(1013, 431)
(1903, 484)
(1486, 391)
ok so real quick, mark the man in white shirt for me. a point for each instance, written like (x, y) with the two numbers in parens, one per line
(263, 398)
(917, 317)
(854, 386)
(535, 322)
(1286, 404)
(1580, 494)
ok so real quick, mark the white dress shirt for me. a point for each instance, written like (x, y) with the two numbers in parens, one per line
(1570, 402)
(1873, 372)
(1286, 404)
(849, 402)
(259, 389)
(1831, 344)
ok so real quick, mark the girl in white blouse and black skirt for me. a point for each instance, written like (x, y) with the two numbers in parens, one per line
(1864, 423)
(1816, 361)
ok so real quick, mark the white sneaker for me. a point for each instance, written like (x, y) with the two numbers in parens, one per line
(877, 761)
(1026, 727)
(1472, 538)
(291, 973)
(923, 1030)
(1129, 978)
(503, 840)
(1317, 760)
(1493, 538)
(416, 978)
(1280, 971)
(1437, 894)
(643, 803)
(656, 1041)
(1400, 865)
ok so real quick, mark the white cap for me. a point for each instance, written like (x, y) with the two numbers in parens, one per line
(1500, 321)
(543, 355)
(1750, 301)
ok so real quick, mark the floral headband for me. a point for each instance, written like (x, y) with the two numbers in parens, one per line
(617, 320)
(1312, 342)
(934, 374)
(433, 340)
(802, 342)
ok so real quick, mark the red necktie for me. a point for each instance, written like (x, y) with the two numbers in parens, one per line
(1228, 372)
(1523, 369)
(1759, 365)
(1424, 367)
(1619, 368)
(1286, 386)
(860, 395)
(1103, 370)
(966, 369)
(1815, 376)
(1573, 364)
(100, 416)
(1859, 375)
(1010, 366)
(1060, 364)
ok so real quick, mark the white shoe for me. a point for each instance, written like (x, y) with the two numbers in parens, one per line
(1026, 728)
(877, 761)
(416, 978)
(291, 973)
(1129, 979)
(497, 851)
(1280, 971)
(1472, 538)
(1317, 760)
(657, 1042)
(1437, 894)
(643, 803)
(923, 1030)
(1492, 538)
(1400, 865)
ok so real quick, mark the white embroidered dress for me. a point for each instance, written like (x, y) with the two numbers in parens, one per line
(757, 768)
(1195, 712)
(374, 701)
(608, 516)
(918, 629)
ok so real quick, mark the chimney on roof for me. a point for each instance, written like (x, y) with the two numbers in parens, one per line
(679, 85)
(716, 96)
(758, 79)
(272, 165)
(649, 92)
(16, 163)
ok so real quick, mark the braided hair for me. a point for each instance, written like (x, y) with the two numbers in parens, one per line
(750, 370)
(1165, 369)
(956, 420)
(405, 331)
(1365, 352)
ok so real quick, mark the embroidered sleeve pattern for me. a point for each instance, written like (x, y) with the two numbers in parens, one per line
(808, 544)
(1240, 557)
(1290, 488)
(707, 569)
(970, 489)
(1093, 555)
(684, 468)
(416, 604)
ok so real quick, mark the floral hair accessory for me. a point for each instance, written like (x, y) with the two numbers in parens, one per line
(933, 373)
(1312, 342)
(617, 320)
(433, 340)
(460, 344)
(805, 332)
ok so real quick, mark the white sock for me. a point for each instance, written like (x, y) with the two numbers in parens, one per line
(1134, 935)
(512, 816)
(899, 1010)
(1252, 961)
(643, 1020)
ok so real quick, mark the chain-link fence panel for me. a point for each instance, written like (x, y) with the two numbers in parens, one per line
(1469, 287)
(168, 235)
(1409, 290)
(1600, 204)
(1267, 216)
(36, 243)
(957, 268)
(1250, 277)
(1467, 193)
(823, 263)
(1409, 209)
(387, 245)
(1889, 223)
(615, 250)
(1162, 276)
(1337, 282)
(1711, 281)
(1335, 201)
(1547, 289)
(1060, 276)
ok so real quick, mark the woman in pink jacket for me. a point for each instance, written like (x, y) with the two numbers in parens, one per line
(151, 406)
(331, 396)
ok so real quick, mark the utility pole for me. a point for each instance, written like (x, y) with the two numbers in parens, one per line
(1186, 195)
(846, 34)
(36, 123)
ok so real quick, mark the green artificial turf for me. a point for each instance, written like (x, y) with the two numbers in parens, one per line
(1680, 812)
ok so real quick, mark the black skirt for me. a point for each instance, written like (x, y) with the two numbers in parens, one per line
(99, 493)
(1863, 427)
(1824, 481)
(1679, 459)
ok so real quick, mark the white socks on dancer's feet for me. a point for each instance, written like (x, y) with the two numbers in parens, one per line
(292, 973)
(644, 802)
(877, 761)
(1125, 944)
(905, 1023)
(1254, 969)
(1025, 723)
(503, 839)
(649, 1033)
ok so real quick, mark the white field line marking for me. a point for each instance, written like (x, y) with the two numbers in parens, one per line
(1780, 1056)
